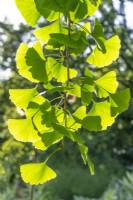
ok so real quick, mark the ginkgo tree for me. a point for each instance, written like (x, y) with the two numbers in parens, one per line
(68, 35)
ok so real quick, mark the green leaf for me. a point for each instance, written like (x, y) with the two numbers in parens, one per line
(61, 129)
(99, 117)
(43, 34)
(74, 136)
(101, 59)
(58, 71)
(80, 113)
(50, 10)
(106, 84)
(86, 159)
(37, 65)
(35, 104)
(28, 11)
(92, 7)
(84, 9)
(47, 139)
(36, 173)
(30, 61)
(98, 36)
(72, 124)
(101, 93)
(119, 101)
(23, 130)
(75, 90)
(65, 40)
(87, 88)
(86, 95)
(77, 41)
(22, 97)
(44, 118)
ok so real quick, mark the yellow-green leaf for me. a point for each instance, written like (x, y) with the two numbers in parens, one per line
(108, 83)
(36, 173)
(23, 130)
(58, 71)
(50, 10)
(43, 34)
(47, 139)
(99, 117)
(119, 101)
(30, 60)
(22, 97)
(28, 11)
(100, 59)
(34, 105)
(92, 8)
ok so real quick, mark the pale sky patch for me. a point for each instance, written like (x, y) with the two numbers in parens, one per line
(8, 9)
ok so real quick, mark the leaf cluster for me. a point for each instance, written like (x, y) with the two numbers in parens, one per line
(45, 123)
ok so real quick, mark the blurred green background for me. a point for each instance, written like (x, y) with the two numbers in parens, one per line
(111, 151)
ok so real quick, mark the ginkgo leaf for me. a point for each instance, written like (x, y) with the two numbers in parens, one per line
(36, 173)
(84, 9)
(74, 136)
(50, 10)
(44, 118)
(98, 36)
(47, 139)
(119, 101)
(76, 42)
(80, 113)
(29, 60)
(28, 11)
(87, 88)
(23, 130)
(99, 117)
(101, 59)
(74, 121)
(75, 90)
(101, 93)
(43, 34)
(58, 71)
(92, 8)
(72, 124)
(86, 159)
(22, 97)
(108, 83)
(87, 26)
(86, 95)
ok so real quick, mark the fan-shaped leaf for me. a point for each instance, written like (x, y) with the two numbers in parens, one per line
(80, 113)
(36, 173)
(35, 104)
(101, 59)
(22, 97)
(29, 60)
(43, 34)
(119, 102)
(47, 139)
(51, 10)
(58, 71)
(23, 130)
(92, 7)
(28, 11)
(108, 83)
(44, 118)
(99, 117)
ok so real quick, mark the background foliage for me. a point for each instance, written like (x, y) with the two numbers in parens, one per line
(111, 150)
